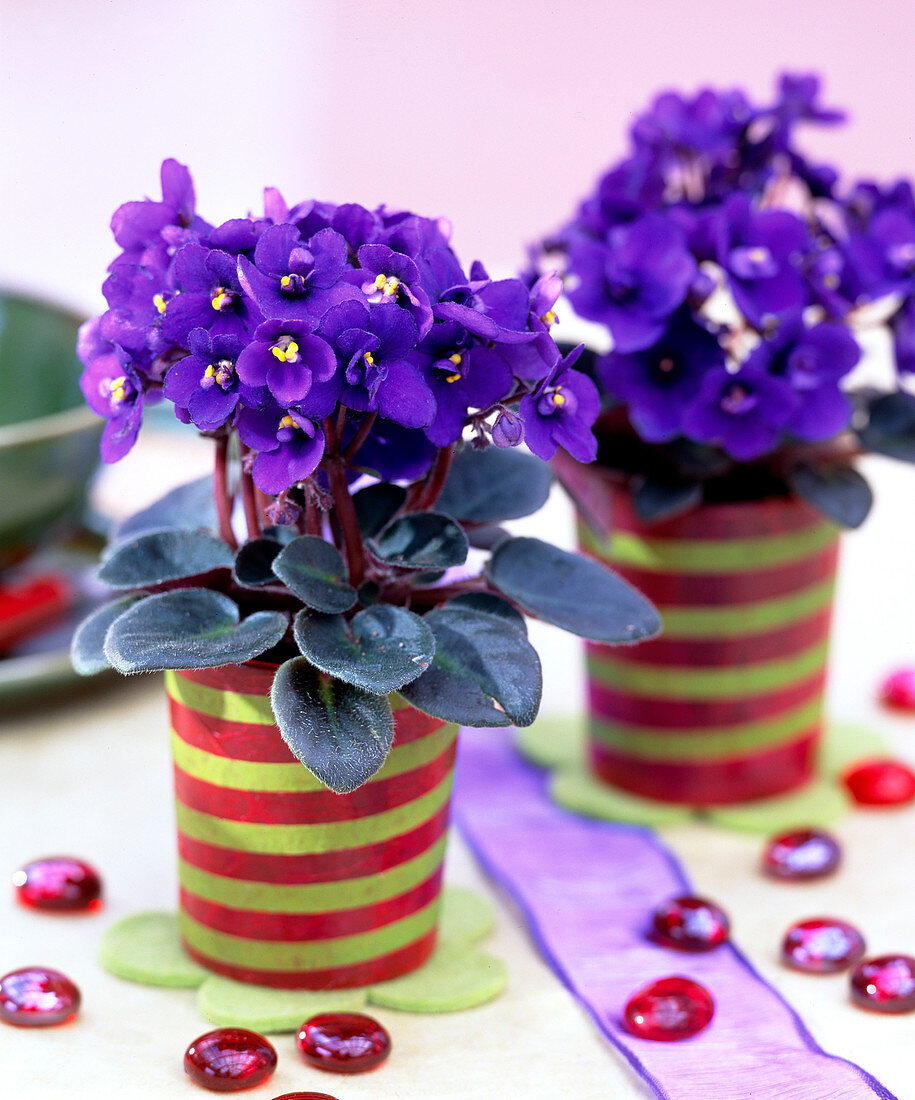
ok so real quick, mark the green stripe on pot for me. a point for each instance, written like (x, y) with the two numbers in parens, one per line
(325, 837)
(734, 681)
(319, 897)
(218, 703)
(314, 954)
(709, 555)
(244, 775)
(654, 744)
(739, 620)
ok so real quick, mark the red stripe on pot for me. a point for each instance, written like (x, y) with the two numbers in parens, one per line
(692, 717)
(292, 927)
(379, 969)
(296, 870)
(726, 651)
(758, 519)
(311, 807)
(723, 589)
(252, 678)
(761, 774)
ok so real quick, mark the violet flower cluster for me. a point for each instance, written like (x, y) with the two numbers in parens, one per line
(276, 325)
(734, 273)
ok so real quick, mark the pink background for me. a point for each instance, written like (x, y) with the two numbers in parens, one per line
(496, 114)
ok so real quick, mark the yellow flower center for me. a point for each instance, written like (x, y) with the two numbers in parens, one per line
(222, 298)
(288, 422)
(559, 398)
(387, 284)
(549, 318)
(456, 358)
(285, 349)
(369, 359)
(117, 388)
(456, 377)
(159, 302)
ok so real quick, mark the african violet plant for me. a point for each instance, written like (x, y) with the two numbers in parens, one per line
(736, 278)
(354, 381)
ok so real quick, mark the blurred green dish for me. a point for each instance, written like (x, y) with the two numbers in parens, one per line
(48, 437)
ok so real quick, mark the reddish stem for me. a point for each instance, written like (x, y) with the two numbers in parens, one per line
(249, 500)
(345, 512)
(221, 492)
(360, 437)
(436, 482)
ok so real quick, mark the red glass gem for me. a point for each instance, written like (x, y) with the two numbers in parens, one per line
(898, 689)
(305, 1096)
(37, 997)
(669, 1009)
(880, 783)
(343, 1042)
(229, 1059)
(690, 924)
(803, 854)
(885, 983)
(822, 945)
(58, 883)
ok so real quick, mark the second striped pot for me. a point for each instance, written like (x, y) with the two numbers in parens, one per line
(283, 882)
(727, 705)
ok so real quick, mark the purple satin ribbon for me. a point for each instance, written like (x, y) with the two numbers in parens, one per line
(586, 889)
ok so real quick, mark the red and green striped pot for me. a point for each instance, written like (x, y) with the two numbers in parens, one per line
(284, 883)
(727, 705)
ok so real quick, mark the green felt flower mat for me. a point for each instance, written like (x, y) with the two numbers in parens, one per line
(558, 744)
(146, 948)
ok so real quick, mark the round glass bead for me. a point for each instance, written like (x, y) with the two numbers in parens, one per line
(37, 997)
(60, 884)
(669, 1009)
(880, 783)
(229, 1059)
(898, 689)
(822, 945)
(802, 854)
(305, 1096)
(690, 924)
(343, 1042)
(885, 983)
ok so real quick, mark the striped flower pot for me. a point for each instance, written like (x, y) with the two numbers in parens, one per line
(283, 882)
(727, 705)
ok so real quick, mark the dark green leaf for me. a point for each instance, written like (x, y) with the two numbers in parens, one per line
(421, 540)
(340, 733)
(489, 604)
(839, 492)
(316, 572)
(487, 537)
(890, 428)
(189, 505)
(376, 504)
(254, 561)
(383, 648)
(493, 485)
(572, 592)
(189, 628)
(654, 499)
(87, 650)
(158, 556)
(478, 658)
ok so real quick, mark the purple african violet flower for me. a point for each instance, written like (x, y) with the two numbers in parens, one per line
(561, 412)
(289, 441)
(904, 337)
(634, 282)
(797, 99)
(744, 413)
(113, 389)
(658, 384)
(813, 360)
(387, 277)
(206, 383)
(761, 251)
(297, 280)
(395, 453)
(138, 225)
(238, 235)
(209, 296)
(708, 124)
(884, 256)
(495, 311)
(507, 429)
(285, 357)
(374, 345)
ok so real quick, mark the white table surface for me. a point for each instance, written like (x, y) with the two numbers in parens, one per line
(91, 777)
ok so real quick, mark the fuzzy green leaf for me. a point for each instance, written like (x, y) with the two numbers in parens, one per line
(188, 506)
(839, 492)
(376, 504)
(421, 540)
(159, 556)
(315, 571)
(339, 732)
(493, 485)
(87, 649)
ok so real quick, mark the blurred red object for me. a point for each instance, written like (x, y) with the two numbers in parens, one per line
(898, 689)
(30, 605)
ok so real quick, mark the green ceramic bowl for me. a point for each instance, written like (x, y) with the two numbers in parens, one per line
(48, 438)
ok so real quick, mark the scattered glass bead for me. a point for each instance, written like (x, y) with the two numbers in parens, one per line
(898, 689)
(885, 983)
(801, 855)
(822, 945)
(690, 924)
(880, 783)
(59, 883)
(669, 1009)
(37, 997)
(305, 1096)
(229, 1059)
(343, 1042)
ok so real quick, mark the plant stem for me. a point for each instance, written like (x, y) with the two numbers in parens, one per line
(221, 492)
(249, 499)
(436, 481)
(360, 437)
(346, 516)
